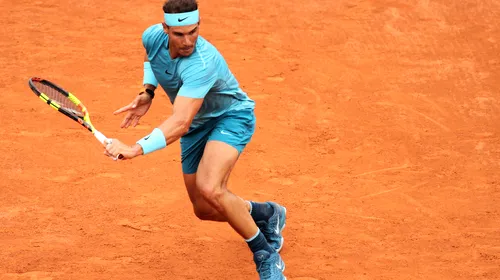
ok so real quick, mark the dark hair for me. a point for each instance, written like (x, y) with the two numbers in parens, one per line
(179, 6)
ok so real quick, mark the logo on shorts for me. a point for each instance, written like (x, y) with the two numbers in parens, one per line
(223, 132)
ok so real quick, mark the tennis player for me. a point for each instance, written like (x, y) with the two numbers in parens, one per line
(214, 120)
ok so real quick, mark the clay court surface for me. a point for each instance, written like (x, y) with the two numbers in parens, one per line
(377, 126)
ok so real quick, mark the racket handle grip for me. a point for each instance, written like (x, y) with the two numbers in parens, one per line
(103, 139)
(100, 136)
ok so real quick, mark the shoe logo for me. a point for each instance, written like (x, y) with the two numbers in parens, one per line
(181, 19)
(166, 71)
(277, 230)
(279, 266)
(223, 132)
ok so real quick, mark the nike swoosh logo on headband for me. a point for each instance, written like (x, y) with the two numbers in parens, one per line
(181, 19)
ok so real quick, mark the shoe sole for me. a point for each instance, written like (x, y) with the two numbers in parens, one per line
(281, 230)
(283, 270)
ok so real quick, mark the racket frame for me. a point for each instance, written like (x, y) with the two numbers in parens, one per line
(83, 120)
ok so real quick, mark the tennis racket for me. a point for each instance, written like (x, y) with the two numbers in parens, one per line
(66, 103)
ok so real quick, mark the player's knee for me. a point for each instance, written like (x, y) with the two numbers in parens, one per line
(211, 192)
(201, 214)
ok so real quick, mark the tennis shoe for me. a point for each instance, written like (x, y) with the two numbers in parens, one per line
(270, 266)
(272, 228)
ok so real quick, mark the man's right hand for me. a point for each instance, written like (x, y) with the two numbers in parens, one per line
(136, 109)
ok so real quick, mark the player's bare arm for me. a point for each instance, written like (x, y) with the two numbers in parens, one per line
(178, 124)
(171, 130)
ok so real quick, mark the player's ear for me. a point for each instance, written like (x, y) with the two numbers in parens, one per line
(165, 27)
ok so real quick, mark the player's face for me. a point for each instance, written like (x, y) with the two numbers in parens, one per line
(182, 39)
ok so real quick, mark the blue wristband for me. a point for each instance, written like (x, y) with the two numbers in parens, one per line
(152, 142)
(149, 76)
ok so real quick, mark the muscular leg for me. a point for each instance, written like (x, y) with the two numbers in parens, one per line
(213, 172)
(213, 201)
(202, 209)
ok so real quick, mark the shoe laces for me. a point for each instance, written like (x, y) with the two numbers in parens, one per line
(265, 268)
(266, 228)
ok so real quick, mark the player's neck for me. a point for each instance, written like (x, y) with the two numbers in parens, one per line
(173, 52)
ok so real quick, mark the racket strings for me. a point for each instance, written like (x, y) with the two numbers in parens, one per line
(57, 96)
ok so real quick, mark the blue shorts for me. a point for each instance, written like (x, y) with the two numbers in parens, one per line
(235, 128)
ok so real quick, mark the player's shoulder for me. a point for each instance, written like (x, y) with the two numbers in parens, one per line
(153, 30)
(153, 35)
(204, 47)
